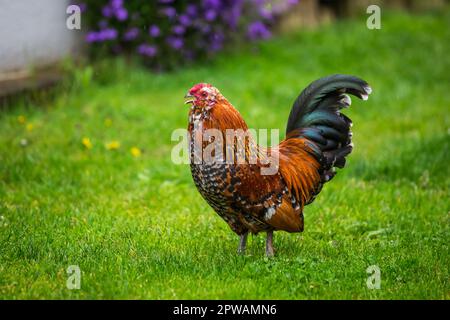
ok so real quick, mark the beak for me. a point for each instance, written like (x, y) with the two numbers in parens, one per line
(189, 98)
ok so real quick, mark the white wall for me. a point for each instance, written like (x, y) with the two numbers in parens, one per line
(34, 33)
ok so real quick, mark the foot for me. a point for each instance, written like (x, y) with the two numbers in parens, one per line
(242, 243)
(269, 244)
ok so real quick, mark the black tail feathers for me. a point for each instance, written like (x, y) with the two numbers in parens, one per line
(316, 115)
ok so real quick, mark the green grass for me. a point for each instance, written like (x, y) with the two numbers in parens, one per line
(137, 227)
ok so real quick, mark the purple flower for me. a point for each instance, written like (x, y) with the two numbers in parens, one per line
(121, 14)
(210, 15)
(202, 27)
(107, 12)
(216, 42)
(102, 35)
(178, 29)
(191, 10)
(175, 42)
(116, 4)
(154, 31)
(232, 17)
(91, 37)
(265, 14)
(169, 12)
(131, 34)
(258, 30)
(215, 4)
(108, 34)
(184, 20)
(147, 50)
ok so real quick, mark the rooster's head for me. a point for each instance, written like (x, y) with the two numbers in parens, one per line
(202, 95)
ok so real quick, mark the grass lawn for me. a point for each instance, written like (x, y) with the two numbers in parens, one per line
(137, 227)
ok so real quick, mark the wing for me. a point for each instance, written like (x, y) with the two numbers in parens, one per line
(263, 202)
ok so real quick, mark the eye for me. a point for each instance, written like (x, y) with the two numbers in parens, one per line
(204, 94)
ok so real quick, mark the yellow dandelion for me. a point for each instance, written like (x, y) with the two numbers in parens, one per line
(87, 143)
(21, 119)
(30, 127)
(135, 152)
(108, 122)
(113, 145)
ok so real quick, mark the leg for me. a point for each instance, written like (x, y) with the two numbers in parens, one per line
(242, 243)
(269, 244)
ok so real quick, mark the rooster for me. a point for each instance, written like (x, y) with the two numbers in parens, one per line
(318, 140)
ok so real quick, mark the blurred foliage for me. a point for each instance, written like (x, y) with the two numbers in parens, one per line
(167, 33)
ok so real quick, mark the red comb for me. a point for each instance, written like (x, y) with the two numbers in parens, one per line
(198, 87)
